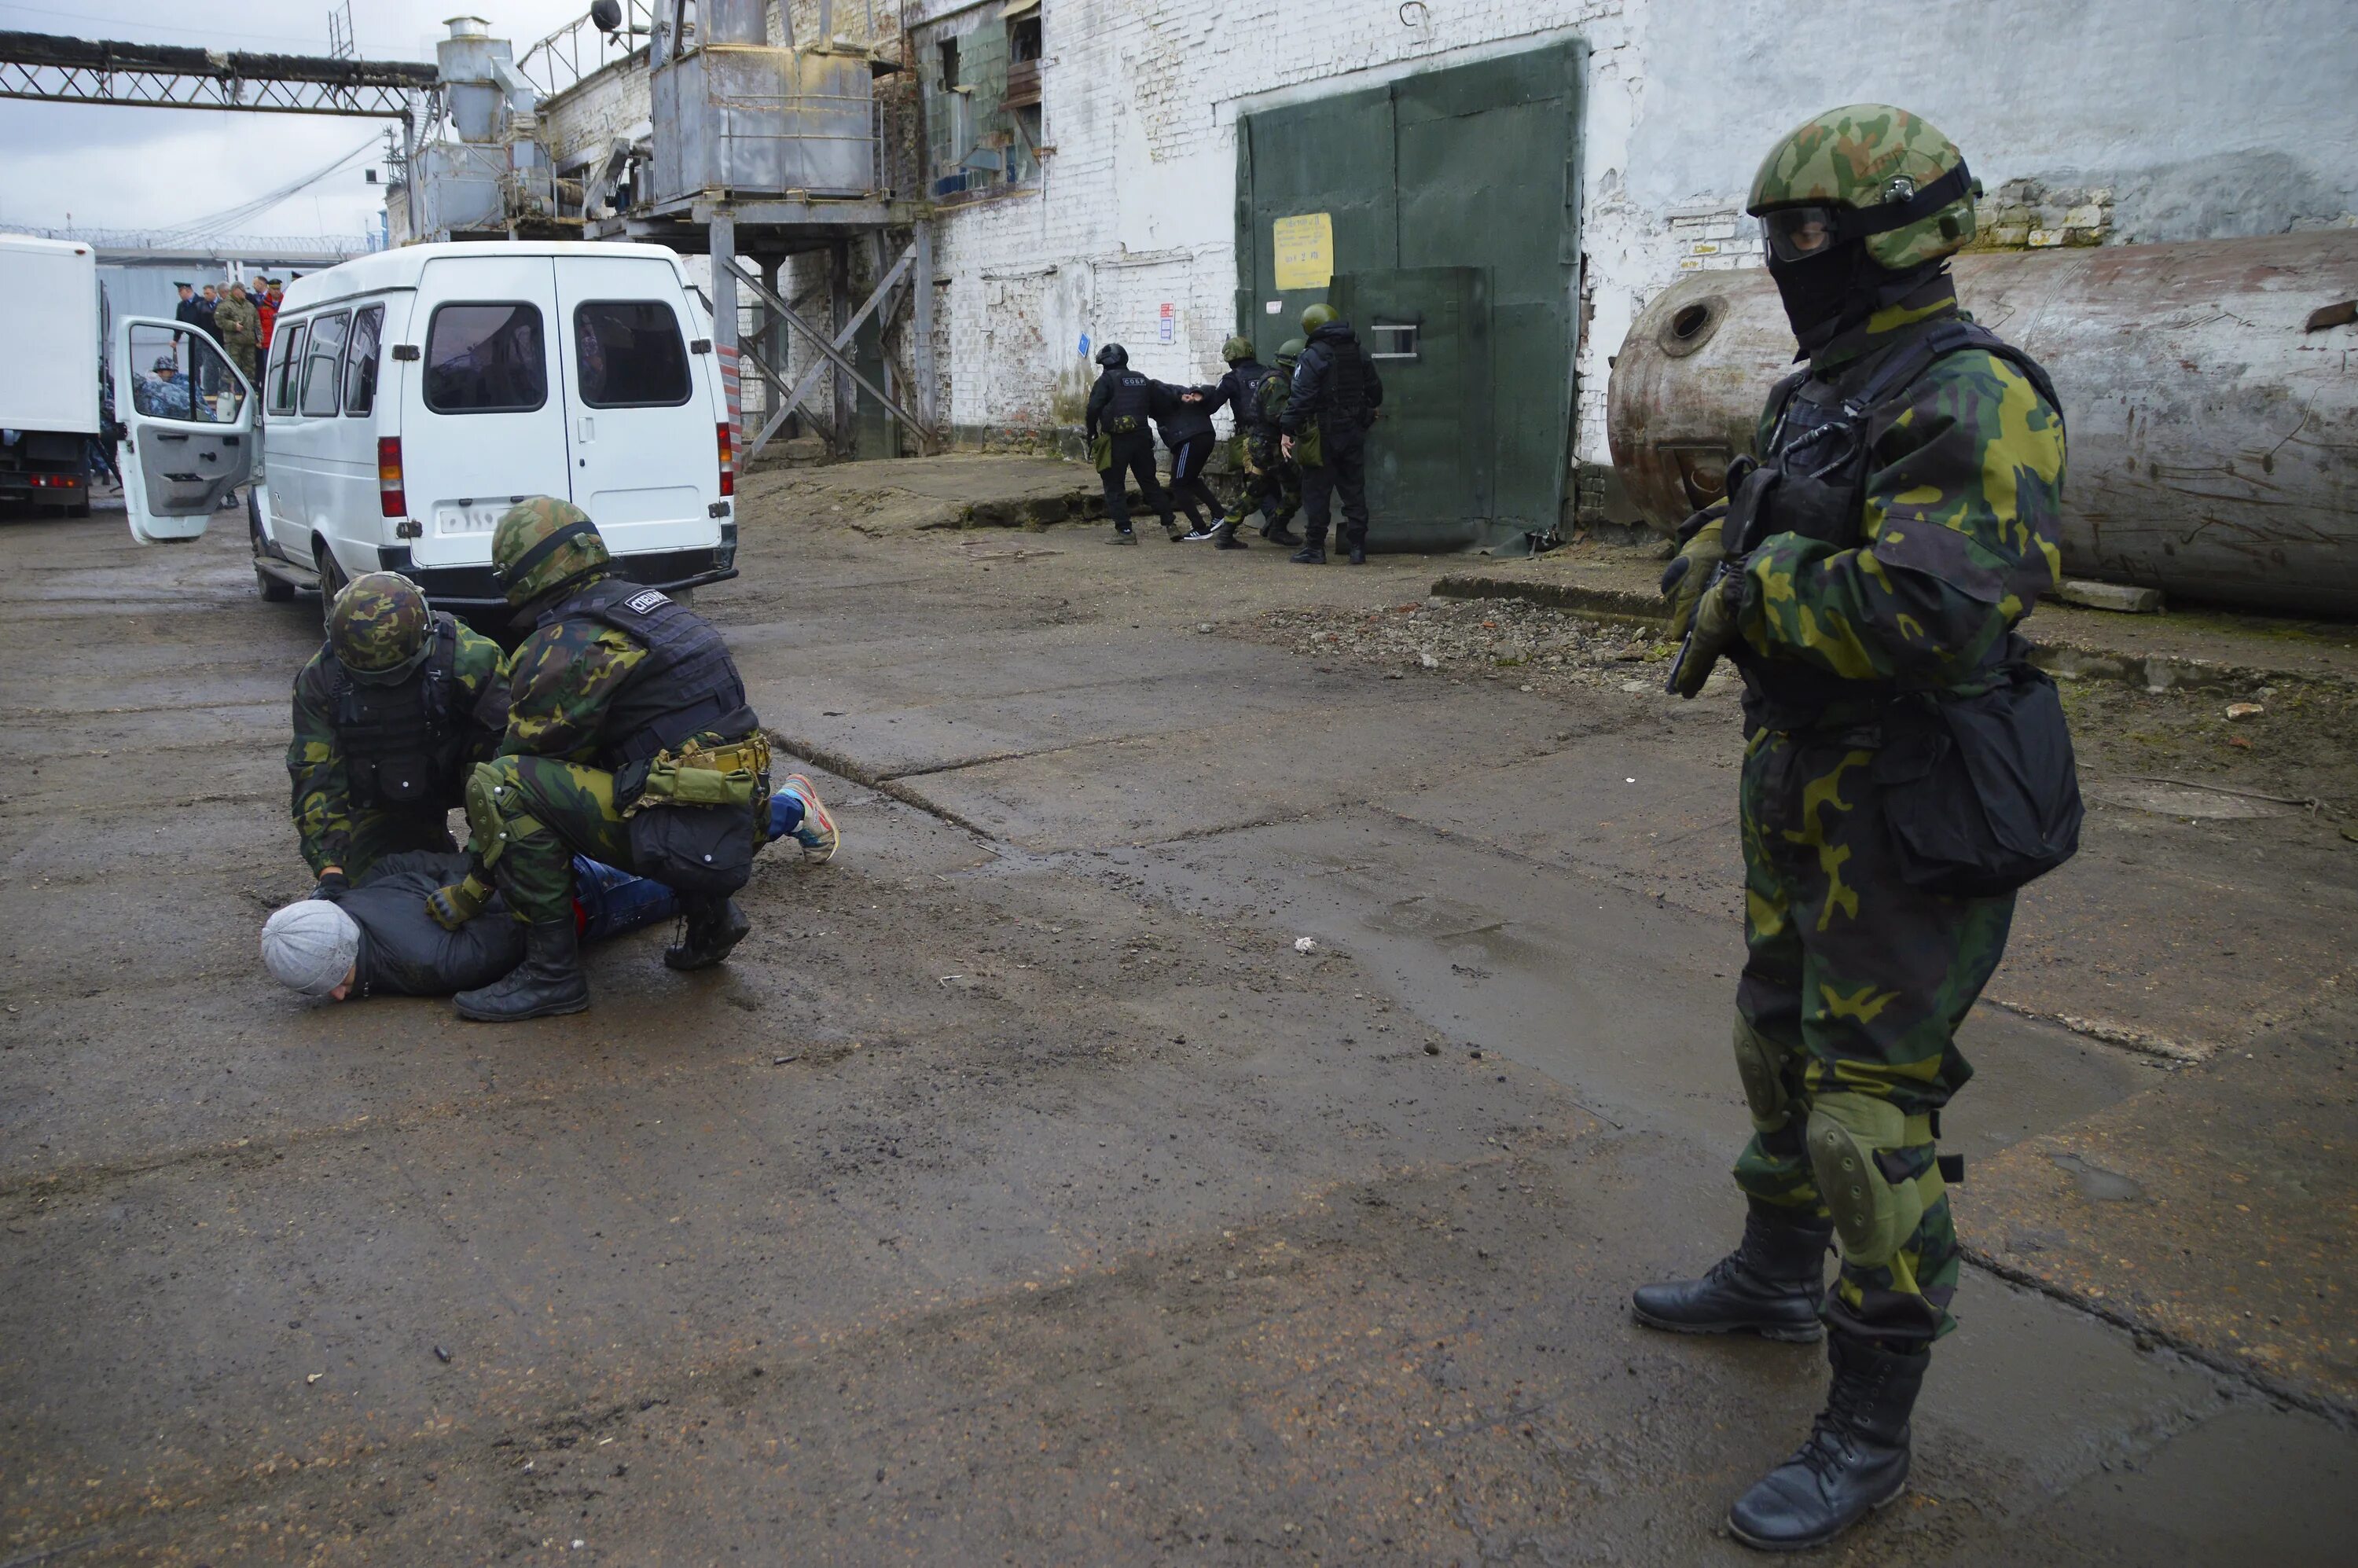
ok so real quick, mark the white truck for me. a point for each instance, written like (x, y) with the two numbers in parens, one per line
(52, 318)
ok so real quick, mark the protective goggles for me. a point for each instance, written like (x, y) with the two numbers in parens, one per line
(1797, 233)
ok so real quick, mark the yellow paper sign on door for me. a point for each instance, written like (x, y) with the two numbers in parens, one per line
(1305, 247)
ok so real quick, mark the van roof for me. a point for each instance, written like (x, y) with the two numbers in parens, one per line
(35, 243)
(399, 268)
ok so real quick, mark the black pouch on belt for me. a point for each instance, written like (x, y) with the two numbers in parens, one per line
(1980, 794)
(701, 851)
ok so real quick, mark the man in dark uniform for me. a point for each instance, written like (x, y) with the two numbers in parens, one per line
(390, 714)
(1121, 445)
(1187, 427)
(1242, 391)
(629, 742)
(1336, 395)
(1904, 515)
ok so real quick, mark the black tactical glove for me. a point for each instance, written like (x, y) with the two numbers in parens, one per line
(333, 886)
(452, 907)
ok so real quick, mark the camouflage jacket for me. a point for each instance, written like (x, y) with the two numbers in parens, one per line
(323, 803)
(236, 323)
(1959, 530)
(561, 680)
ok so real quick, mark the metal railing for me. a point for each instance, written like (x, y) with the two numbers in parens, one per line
(578, 49)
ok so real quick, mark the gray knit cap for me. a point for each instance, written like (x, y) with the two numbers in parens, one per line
(310, 945)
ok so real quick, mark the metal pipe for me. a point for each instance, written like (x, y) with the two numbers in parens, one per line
(2214, 431)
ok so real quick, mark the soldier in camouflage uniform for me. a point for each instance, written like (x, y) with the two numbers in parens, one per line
(239, 326)
(390, 714)
(629, 742)
(1904, 517)
(1273, 482)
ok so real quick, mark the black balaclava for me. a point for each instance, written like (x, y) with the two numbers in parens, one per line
(1827, 295)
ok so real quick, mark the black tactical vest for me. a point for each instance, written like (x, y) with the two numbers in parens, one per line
(1133, 400)
(1347, 385)
(1811, 481)
(686, 685)
(405, 744)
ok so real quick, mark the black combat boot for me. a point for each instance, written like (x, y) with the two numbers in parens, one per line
(1310, 555)
(714, 926)
(1770, 1285)
(1279, 534)
(1855, 1459)
(548, 982)
(1358, 556)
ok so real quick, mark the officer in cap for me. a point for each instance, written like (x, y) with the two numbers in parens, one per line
(629, 742)
(1121, 444)
(391, 712)
(1903, 517)
(1242, 391)
(1335, 399)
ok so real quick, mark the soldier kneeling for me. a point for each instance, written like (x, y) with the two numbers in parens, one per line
(629, 742)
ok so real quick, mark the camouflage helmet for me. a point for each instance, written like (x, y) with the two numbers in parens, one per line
(378, 624)
(1318, 316)
(1289, 351)
(542, 542)
(1237, 348)
(1865, 171)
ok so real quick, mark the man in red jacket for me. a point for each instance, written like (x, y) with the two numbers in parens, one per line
(266, 307)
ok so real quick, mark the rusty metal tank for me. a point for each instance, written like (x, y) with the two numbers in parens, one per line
(2210, 389)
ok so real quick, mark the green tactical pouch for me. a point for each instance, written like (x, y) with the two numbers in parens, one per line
(1125, 424)
(1310, 448)
(730, 774)
(1101, 452)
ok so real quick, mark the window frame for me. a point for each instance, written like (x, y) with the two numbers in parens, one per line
(376, 352)
(426, 361)
(334, 359)
(679, 331)
(279, 381)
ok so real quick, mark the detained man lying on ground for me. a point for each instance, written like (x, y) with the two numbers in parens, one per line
(381, 940)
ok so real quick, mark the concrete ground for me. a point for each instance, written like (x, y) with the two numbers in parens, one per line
(1021, 1191)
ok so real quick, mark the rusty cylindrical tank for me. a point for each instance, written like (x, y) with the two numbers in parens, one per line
(2210, 390)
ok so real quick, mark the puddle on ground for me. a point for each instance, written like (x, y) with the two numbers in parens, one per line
(2098, 1185)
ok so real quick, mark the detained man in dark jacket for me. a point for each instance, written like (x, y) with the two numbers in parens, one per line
(1186, 422)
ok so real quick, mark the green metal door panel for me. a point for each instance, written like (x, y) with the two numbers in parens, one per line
(1428, 474)
(1332, 156)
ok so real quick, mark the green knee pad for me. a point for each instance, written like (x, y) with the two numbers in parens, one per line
(1873, 1217)
(1764, 1087)
(495, 812)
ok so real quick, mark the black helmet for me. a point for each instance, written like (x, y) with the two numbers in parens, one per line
(1113, 356)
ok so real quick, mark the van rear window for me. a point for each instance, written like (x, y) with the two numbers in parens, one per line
(629, 353)
(285, 368)
(485, 359)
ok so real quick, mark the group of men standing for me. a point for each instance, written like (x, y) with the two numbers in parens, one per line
(610, 770)
(240, 319)
(1304, 423)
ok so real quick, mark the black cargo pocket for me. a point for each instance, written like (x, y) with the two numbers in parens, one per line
(1980, 795)
(699, 852)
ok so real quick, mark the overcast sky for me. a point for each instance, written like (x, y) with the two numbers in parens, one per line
(146, 169)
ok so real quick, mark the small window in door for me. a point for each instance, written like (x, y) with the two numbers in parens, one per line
(323, 365)
(360, 361)
(485, 359)
(182, 377)
(628, 354)
(286, 370)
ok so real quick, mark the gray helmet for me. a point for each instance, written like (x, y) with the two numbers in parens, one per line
(1113, 356)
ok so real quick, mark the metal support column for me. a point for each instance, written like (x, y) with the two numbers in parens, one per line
(724, 318)
(838, 310)
(923, 397)
(769, 338)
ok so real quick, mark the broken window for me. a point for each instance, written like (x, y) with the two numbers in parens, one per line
(981, 72)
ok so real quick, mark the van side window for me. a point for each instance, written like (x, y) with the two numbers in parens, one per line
(628, 354)
(323, 365)
(286, 363)
(485, 359)
(360, 361)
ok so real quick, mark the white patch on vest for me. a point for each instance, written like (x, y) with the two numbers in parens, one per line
(640, 603)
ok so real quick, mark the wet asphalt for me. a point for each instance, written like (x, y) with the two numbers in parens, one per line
(1019, 1192)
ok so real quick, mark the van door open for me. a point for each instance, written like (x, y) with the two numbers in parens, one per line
(186, 415)
(483, 416)
(641, 427)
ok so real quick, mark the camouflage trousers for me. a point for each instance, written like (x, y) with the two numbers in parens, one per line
(530, 816)
(1272, 486)
(1854, 986)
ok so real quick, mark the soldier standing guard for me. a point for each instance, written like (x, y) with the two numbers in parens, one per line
(1335, 394)
(1904, 515)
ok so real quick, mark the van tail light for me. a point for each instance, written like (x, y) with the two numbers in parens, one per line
(391, 500)
(727, 460)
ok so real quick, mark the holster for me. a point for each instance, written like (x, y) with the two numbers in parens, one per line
(735, 772)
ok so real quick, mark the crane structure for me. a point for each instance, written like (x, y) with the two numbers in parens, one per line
(54, 69)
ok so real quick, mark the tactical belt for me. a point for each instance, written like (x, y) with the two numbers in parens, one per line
(734, 772)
